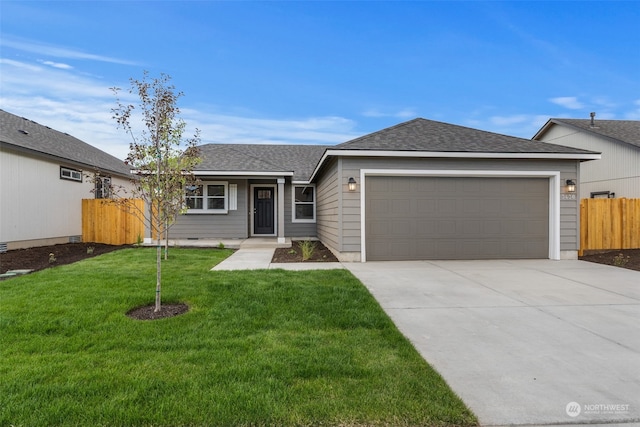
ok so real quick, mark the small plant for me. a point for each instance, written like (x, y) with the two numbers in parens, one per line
(90, 250)
(139, 240)
(292, 252)
(307, 247)
(220, 245)
(620, 260)
(52, 258)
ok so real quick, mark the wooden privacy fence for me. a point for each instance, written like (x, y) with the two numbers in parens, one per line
(107, 222)
(609, 224)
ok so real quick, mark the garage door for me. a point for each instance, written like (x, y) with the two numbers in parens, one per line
(421, 218)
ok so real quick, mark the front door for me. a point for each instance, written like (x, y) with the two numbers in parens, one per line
(263, 210)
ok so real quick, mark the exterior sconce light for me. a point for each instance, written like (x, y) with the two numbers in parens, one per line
(352, 184)
(571, 186)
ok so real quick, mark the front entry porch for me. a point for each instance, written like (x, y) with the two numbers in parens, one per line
(252, 242)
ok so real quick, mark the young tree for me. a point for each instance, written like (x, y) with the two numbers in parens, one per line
(163, 162)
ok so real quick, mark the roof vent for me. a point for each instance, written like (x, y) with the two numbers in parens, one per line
(593, 119)
(24, 132)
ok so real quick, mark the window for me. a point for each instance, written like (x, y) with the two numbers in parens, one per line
(70, 174)
(208, 197)
(103, 187)
(304, 203)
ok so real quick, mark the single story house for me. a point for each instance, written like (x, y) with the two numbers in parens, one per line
(418, 190)
(44, 175)
(617, 174)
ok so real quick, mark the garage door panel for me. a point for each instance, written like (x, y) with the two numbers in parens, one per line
(446, 206)
(456, 218)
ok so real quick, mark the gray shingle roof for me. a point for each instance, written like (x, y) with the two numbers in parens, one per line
(432, 136)
(626, 131)
(298, 159)
(28, 135)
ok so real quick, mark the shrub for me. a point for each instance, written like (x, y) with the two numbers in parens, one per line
(307, 247)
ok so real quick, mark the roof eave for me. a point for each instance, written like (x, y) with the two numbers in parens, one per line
(560, 122)
(452, 154)
(543, 129)
(60, 159)
(242, 173)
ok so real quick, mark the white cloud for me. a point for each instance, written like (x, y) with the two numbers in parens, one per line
(233, 129)
(57, 65)
(81, 106)
(570, 102)
(508, 120)
(634, 114)
(520, 125)
(406, 113)
(59, 51)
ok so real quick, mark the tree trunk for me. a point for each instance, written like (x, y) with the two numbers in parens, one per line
(166, 239)
(158, 273)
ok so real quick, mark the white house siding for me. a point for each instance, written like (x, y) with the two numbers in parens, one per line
(37, 207)
(328, 190)
(233, 224)
(617, 171)
(350, 225)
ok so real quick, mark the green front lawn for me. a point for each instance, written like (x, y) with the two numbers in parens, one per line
(257, 348)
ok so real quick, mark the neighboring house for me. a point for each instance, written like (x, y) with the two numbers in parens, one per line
(418, 190)
(617, 174)
(44, 175)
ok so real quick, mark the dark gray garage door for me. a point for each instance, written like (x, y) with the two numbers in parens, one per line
(416, 218)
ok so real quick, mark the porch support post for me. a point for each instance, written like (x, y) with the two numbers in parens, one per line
(281, 238)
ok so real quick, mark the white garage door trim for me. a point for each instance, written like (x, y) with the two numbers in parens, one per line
(554, 196)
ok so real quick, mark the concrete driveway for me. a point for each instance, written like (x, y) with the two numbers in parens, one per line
(522, 342)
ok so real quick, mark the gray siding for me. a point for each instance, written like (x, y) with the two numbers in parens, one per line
(295, 229)
(234, 224)
(351, 166)
(328, 191)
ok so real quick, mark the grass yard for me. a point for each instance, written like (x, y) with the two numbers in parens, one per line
(257, 348)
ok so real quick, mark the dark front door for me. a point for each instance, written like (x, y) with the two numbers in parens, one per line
(263, 212)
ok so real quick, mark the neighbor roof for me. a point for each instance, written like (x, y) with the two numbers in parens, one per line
(26, 135)
(296, 160)
(625, 131)
(432, 136)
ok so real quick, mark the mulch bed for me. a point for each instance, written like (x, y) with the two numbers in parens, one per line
(39, 258)
(294, 254)
(626, 258)
(166, 310)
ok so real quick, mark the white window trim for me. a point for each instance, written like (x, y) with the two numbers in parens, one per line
(104, 193)
(204, 209)
(293, 203)
(71, 172)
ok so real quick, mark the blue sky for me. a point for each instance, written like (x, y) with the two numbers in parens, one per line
(321, 72)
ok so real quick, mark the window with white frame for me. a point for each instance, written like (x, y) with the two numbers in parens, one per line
(207, 197)
(70, 174)
(304, 203)
(102, 187)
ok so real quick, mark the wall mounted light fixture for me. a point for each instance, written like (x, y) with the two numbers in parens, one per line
(571, 186)
(352, 184)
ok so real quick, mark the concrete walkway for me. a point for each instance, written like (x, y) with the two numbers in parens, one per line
(531, 342)
(256, 254)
